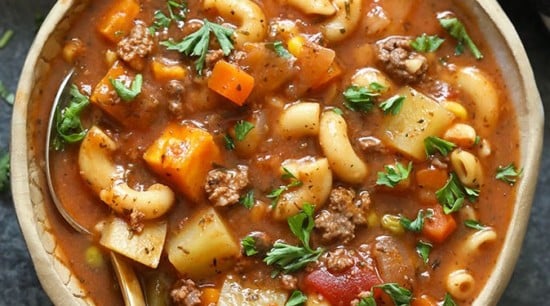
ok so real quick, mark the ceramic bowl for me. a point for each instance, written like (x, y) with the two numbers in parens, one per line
(30, 191)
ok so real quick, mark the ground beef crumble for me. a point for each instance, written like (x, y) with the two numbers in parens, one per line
(136, 46)
(186, 293)
(400, 61)
(223, 186)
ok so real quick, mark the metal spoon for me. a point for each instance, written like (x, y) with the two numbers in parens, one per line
(127, 279)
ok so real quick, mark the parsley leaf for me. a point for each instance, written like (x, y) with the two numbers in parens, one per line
(197, 43)
(5, 38)
(400, 296)
(367, 301)
(474, 224)
(301, 224)
(338, 111)
(508, 174)
(229, 142)
(128, 93)
(249, 246)
(67, 121)
(423, 250)
(242, 128)
(452, 195)
(425, 43)
(417, 224)
(276, 193)
(280, 49)
(160, 21)
(394, 174)
(457, 30)
(177, 10)
(297, 298)
(248, 199)
(448, 301)
(4, 170)
(392, 105)
(6, 95)
(434, 143)
(359, 98)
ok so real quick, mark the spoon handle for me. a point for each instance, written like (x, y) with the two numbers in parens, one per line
(131, 292)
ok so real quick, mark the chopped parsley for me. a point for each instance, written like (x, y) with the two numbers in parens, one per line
(289, 258)
(248, 199)
(249, 246)
(392, 105)
(280, 49)
(297, 298)
(417, 224)
(474, 224)
(423, 250)
(177, 11)
(508, 174)
(160, 21)
(5, 94)
(128, 93)
(360, 98)
(197, 43)
(275, 194)
(452, 195)
(228, 142)
(427, 43)
(433, 144)
(448, 301)
(338, 111)
(242, 128)
(5, 38)
(4, 170)
(399, 295)
(67, 120)
(457, 30)
(394, 174)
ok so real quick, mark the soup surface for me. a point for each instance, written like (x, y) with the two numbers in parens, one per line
(282, 152)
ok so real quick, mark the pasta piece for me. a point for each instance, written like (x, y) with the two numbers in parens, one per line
(461, 134)
(318, 7)
(460, 284)
(467, 212)
(333, 137)
(467, 168)
(365, 76)
(475, 242)
(344, 22)
(253, 23)
(300, 119)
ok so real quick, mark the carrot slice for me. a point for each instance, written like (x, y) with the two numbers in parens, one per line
(231, 82)
(118, 20)
(424, 300)
(439, 226)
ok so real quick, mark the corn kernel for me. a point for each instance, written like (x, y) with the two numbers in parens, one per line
(457, 109)
(392, 223)
(373, 220)
(295, 45)
(94, 257)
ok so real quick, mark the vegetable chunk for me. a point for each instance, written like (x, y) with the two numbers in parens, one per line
(184, 155)
(145, 247)
(233, 293)
(203, 247)
(231, 82)
(118, 20)
(419, 117)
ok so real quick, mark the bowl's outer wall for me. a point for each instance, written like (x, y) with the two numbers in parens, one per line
(64, 290)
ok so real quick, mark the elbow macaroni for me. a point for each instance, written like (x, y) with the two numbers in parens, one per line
(318, 7)
(365, 76)
(300, 119)
(475, 242)
(467, 168)
(345, 20)
(460, 284)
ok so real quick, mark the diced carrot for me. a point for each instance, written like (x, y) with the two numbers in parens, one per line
(423, 300)
(431, 178)
(438, 227)
(231, 82)
(164, 72)
(210, 296)
(118, 20)
(183, 155)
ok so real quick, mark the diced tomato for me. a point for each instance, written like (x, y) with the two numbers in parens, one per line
(341, 288)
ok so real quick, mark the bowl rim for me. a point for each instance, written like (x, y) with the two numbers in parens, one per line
(59, 291)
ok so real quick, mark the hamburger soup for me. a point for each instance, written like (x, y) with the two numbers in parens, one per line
(240, 152)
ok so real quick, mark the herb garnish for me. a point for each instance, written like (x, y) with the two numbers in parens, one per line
(394, 174)
(508, 174)
(242, 128)
(417, 224)
(452, 195)
(5, 94)
(248, 199)
(67, 121)
(392, 105)
(228, 142)
(434, 143)
(399, 295)
(4, 170)
(457, 30)
(275, 194)
(423, 250)
(177, 11)
(128, 93)
(197, 43)
(160, 21)
(249, 246)
(448, 301)
(427, 43)
(289, 258)
(360, 98)
(280, 49)
(474, 224)
(297, 298)
(5, 38)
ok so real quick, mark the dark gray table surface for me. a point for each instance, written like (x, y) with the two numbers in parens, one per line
(530, 284)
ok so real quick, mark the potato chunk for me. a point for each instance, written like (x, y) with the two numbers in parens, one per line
(145, 247)
(203, 246)
(183, 155)
(419, 118)
(233, 293)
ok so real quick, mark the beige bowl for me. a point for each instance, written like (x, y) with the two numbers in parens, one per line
(30, 189)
